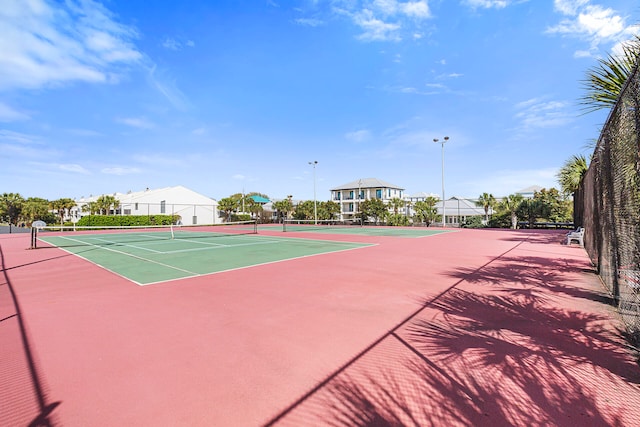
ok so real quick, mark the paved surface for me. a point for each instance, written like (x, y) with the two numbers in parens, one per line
(476, 327)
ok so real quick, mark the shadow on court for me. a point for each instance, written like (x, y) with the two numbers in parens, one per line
(519, 341)
(23, 395)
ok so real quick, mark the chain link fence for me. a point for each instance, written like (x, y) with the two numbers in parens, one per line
(607, 204)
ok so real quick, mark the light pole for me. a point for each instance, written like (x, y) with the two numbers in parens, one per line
(444, 209)
(315, 204)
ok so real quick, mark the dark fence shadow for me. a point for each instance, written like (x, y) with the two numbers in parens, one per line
(24, 399)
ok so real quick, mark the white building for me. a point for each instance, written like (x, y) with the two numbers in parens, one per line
(193, 207)
(349, 195)
(458, 209)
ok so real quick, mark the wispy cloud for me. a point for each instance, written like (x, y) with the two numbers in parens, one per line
(8, 114)
(167, 87)
(309, 22)
(538, 113)
(72, 167)
(22, 138)
(173, 44)
(45, 43)
(136, 122)
(158, 160)
(592, 23)
(488, 4)
(120, 171)
(358, 135)
(385, 20)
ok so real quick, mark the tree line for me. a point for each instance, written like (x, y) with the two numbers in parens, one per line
(16, 210)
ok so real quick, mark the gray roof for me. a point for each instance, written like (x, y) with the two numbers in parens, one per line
(530, 189)
(366, 183)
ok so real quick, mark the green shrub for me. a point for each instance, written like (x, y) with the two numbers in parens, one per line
(240, 217)
(472, 222)
(398, 220)
(126, 220)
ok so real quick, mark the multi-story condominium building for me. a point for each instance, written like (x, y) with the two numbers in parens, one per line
(349, 195)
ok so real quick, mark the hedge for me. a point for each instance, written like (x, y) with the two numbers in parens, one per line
(126, 220)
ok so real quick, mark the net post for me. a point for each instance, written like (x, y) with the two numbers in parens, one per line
(34, 239)
(172, 235)
(255, 227)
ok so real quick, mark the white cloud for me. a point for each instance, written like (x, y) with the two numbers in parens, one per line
(309, 22)
(72, 167)
(159, 160)
(592, 23)
(239, 177)
(488, 4)
(136, 122)
(46, 43)
(167, 87)
(199, 131)
(376, 29)
(537, 113)
(118, 170)
(173, 44)
(385, 20)
(358, 135)
(22, 138)
(8, 114)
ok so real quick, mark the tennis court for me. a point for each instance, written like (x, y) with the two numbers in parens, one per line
(153, 255)
(476, 327)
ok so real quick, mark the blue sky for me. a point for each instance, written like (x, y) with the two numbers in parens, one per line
(226, 95)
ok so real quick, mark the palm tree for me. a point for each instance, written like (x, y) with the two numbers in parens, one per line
(486, 201)
(510, 204)
(228, 205)
(571, 173)
(605, 81)
(396, 203)
(61, 206)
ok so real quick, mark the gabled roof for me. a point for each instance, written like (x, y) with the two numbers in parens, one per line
(366, 183)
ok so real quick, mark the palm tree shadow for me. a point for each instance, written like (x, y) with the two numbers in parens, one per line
(482, 360)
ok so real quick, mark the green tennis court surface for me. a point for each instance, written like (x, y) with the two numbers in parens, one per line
(146, 260)
(366, 230)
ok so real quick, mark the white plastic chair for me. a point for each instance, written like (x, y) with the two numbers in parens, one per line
(577, 235)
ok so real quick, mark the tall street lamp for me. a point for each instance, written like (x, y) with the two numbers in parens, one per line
(315, 204)
(444, 209)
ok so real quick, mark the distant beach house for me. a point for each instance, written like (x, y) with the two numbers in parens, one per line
(349, 195)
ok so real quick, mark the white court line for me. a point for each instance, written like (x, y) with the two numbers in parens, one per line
(219, 246)
(366, 245)
(121, 244)
(132, 256)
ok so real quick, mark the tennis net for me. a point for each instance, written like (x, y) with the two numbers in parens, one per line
(310, 224)
(66, 236)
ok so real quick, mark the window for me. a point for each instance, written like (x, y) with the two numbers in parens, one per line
(136, 207)
(351, 195)
(350, 207)
(163, 207)
(195, 220)
(378, 194)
